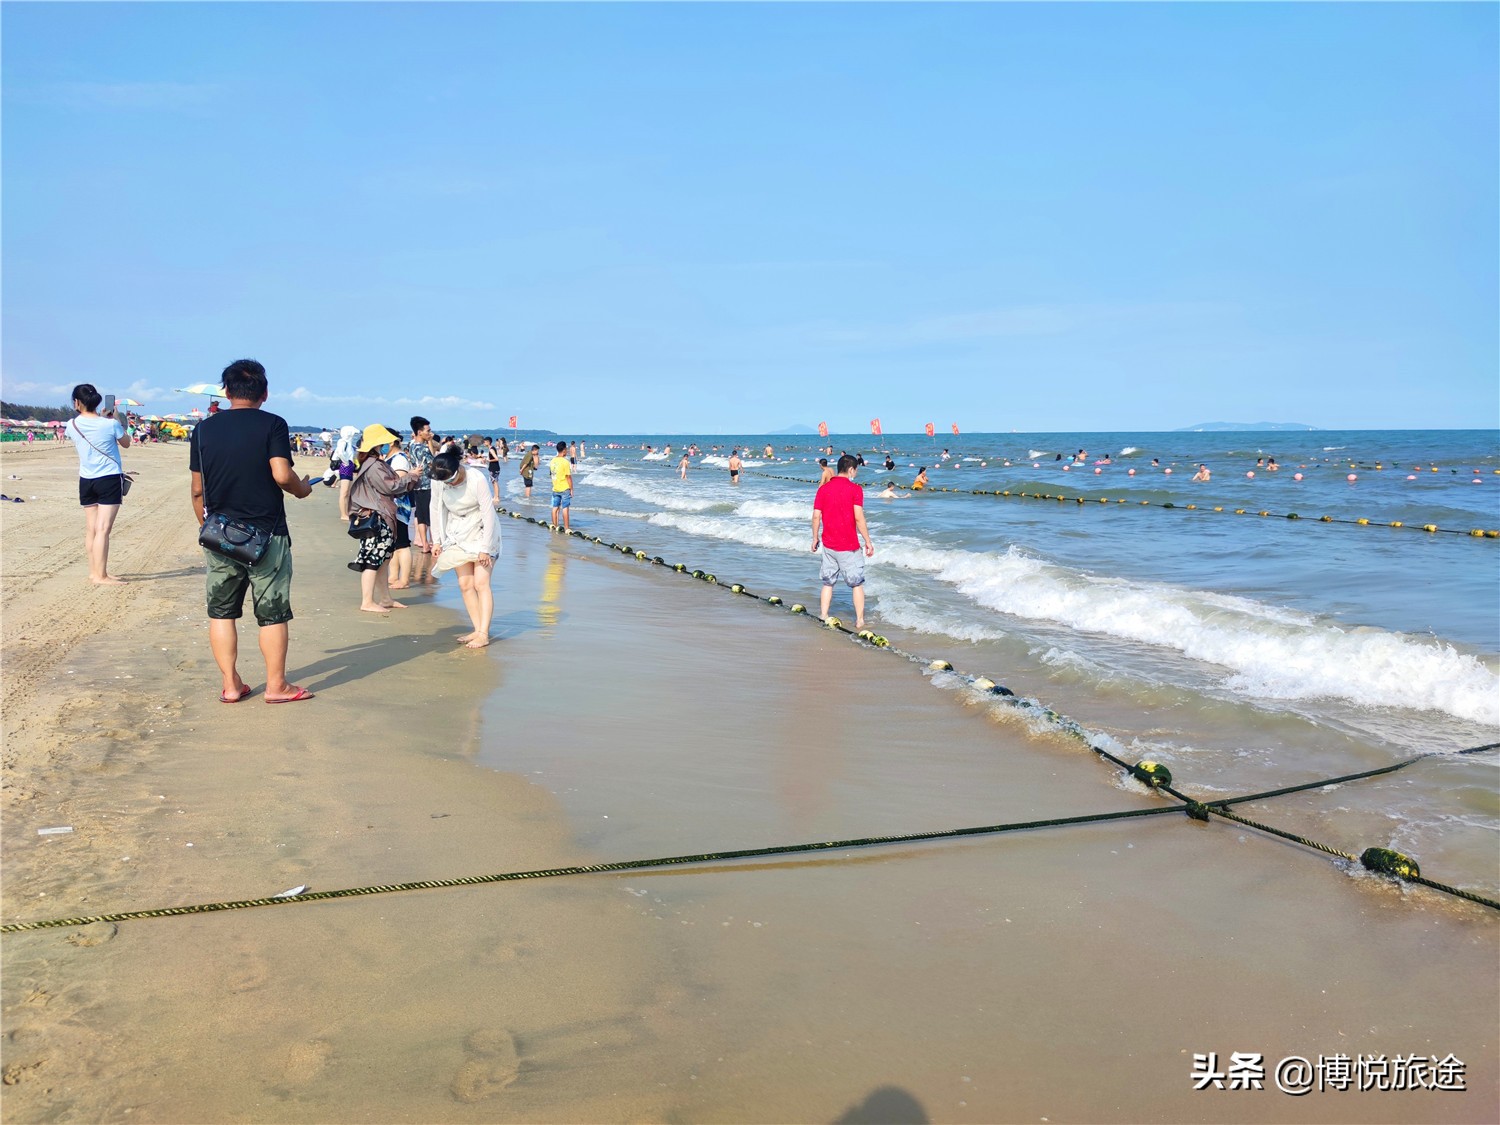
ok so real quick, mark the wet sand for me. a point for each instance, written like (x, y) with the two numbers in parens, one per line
(624, 712)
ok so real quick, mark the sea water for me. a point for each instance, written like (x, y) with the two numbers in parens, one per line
(1245, 651)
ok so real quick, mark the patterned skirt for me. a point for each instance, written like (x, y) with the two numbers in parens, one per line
(376, 550)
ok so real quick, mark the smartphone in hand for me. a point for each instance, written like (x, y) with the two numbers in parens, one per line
(107, 408)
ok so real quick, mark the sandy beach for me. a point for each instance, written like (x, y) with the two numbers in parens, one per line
(623, 712)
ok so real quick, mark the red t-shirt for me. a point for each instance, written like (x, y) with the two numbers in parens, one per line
(837, 500)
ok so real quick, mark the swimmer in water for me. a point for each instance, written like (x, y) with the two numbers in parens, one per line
(921, 482)
(890, 493)
(1202, 473)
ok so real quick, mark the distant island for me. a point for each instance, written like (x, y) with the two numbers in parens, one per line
(1207, 427)
(796, 430)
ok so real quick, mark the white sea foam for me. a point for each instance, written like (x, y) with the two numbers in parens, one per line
(719, 462)
(733, 530)
(1271, 653)
(775, 509)
(654, 457)
(657, 493)
(1128, 450)
(1035, 453)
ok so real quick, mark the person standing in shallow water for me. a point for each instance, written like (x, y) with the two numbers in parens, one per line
(838, 522)
(101, 477)
(241, 465)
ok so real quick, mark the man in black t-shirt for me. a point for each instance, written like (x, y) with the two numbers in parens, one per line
(241, 463)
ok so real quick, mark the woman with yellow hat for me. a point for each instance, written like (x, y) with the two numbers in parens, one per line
(375, 487)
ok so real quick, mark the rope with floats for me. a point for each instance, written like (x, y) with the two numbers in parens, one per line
(1429, 528)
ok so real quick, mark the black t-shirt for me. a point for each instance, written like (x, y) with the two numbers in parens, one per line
(233, 451)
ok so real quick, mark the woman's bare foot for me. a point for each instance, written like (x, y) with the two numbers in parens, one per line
(465, 639)
(108, 580)
(399, 585)
(393, 604)
(478, 642)
(374, 609)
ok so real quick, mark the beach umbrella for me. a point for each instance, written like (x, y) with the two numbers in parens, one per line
(128, 402)
(153, 418)
(212, 390)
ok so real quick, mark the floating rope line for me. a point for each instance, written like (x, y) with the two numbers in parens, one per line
(1151, 774)
(1430, 528)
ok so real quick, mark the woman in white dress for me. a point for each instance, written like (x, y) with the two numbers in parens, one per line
(465, 538)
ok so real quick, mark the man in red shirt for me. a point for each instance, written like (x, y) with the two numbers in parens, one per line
(838, 521)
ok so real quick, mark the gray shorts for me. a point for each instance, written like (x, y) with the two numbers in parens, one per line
(846, 565)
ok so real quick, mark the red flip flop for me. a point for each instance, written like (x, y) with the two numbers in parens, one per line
(302, 693)
(244, 695)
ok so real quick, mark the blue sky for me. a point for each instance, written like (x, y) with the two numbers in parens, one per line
(732, 218)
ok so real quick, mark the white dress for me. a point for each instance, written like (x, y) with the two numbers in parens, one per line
(464, 522)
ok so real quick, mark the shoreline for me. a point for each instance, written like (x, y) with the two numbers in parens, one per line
(616, 716)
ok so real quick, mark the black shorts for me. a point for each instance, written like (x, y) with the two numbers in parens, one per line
(494, 468)
(421, 502)
(100, 490)
(403, 533)
(526, 479)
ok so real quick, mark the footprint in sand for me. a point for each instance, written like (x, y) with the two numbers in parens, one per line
(247, 972)
(95, 933)
(305, 1061)
(493, 1064)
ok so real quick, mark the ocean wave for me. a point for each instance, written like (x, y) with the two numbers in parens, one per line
(775, 509)
(1128, 450)
(658, 494)
(719, 462)
(1269, 652)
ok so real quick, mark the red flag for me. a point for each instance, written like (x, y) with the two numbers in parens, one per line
(875, 426)
(822, 429)
(955, 429)
(929, 429)
(512, 421)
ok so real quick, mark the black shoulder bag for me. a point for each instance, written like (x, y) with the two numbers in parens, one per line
(234, 539)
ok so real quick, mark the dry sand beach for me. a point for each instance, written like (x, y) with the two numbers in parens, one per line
(1060, 975)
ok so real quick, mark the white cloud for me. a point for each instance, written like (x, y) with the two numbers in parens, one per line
(449, 402)
(35, 394)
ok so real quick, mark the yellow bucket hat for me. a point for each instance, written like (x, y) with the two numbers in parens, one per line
(374, 437)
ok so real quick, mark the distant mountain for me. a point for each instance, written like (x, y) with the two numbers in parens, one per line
(1203, 427)
(797, 430)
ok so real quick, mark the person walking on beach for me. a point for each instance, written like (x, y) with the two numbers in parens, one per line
(828, 473)
(420, 452)
(240, 462)
(528, 467)
(735, 464)
(101, 477)
(838, 522)
(466, 540)
(562, 485)
(682, 466)
(376, 487)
